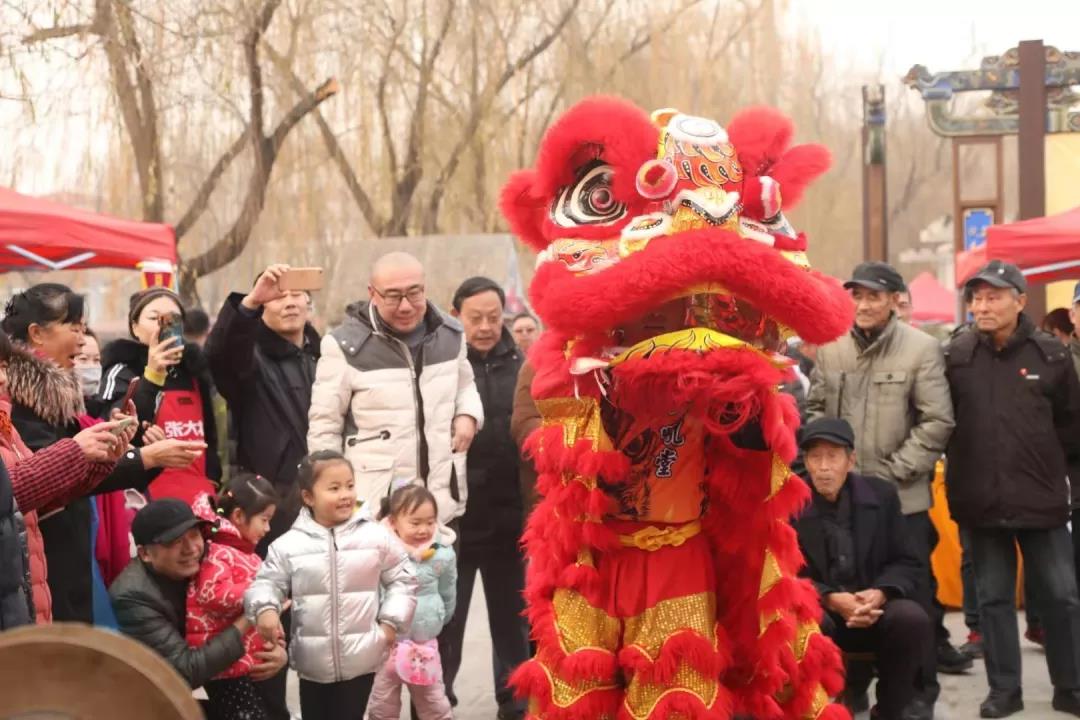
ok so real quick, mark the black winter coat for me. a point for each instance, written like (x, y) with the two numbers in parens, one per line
(495, 508)
(883, 557)
(124, 360)
(16, 603)
(1017, 423)
(267, 382)
(150, 611)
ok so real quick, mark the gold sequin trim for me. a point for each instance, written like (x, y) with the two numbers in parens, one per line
(564, 694)
(767, 620)
(770, 574)
(819, 703)
(642, 698)
(650, 629)
(581, 625)
(578, 417)
(584, 557)
(802, 638)
(779, 477)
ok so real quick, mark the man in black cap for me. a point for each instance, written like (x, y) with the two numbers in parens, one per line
(888, 379)
(854, 540)
(1016, 398)
(148, 597)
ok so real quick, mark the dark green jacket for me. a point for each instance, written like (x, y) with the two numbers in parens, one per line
(145, 613)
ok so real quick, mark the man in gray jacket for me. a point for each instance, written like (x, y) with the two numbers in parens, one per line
(887, 379)
(394, 390)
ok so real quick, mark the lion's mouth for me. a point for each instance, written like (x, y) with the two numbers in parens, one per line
(712, 284)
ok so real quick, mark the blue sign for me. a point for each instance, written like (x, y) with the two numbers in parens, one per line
(976, 221)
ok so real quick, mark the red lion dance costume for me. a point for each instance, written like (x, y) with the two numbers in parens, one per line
(662, 579)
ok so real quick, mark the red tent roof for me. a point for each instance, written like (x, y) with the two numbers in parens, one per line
(38, 234)
(930, 300)
(1046, 248)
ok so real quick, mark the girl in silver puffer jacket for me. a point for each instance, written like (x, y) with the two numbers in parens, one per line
(352, 586)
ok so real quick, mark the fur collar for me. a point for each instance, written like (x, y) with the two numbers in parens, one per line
(49, 391)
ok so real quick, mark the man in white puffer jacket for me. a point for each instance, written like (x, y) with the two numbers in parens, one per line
(394, 390)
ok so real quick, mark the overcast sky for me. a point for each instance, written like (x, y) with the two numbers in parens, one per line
(861, 36)
(941, 34)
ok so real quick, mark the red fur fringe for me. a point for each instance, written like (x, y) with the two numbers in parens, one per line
(531, 681)
(814, 305)
(688, 705)
(687, 646)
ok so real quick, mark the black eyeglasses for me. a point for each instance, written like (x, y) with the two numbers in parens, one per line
(393, 298)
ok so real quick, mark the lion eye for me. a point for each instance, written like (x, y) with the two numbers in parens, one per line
(589, 200)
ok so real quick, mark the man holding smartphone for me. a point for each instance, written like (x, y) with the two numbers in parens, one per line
(263, 353)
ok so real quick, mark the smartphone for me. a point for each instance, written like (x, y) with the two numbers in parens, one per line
(123, 425)
(132, 387)
(171, 326)
(306, 279)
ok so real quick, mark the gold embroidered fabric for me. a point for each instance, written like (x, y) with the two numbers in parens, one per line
(779, 477)
(770, 574)
(802, 638)
(642, 697)
(648, 630)
(564, 694)
(581, 625)
(578, 417)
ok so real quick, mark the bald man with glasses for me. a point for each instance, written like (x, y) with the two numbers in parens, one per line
(394, 390)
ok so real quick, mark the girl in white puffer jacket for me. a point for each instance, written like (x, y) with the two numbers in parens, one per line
(352, 586)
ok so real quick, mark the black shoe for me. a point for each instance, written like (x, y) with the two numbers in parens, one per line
(918, 709)
(951, 661)
(1067, 701)
(1001, 703)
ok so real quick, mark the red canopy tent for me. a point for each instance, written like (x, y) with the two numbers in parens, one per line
(931, 301)
(1046, 248)
(38, 234)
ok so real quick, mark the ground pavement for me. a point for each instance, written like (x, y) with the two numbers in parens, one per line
(960, 694)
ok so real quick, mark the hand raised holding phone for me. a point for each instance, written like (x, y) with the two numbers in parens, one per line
(279, 280)
(168, 347)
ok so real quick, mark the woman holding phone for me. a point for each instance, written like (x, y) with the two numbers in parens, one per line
(41, 405)
(172, 388)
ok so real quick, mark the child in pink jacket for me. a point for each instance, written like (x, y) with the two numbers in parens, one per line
(242, 513)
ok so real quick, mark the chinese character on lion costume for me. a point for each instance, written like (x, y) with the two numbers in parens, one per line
(662, 567)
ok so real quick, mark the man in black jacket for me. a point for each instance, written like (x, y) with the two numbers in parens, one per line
(149, 597)
(853, 538)
(263, 353)
(1017, 404)
(491, 527)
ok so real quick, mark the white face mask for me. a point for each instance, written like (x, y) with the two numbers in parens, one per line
(89, 378)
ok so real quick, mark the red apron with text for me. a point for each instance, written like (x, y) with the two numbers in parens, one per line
(181, 417)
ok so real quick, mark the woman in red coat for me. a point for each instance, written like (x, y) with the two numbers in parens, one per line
(47, 480)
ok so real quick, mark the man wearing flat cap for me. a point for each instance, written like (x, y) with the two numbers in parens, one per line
(857, 555)
(148, 597)
(887, 378)
(1016, 398)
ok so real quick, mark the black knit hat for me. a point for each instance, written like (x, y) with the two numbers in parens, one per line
(141, 299)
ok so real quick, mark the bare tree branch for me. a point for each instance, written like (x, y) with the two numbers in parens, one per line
(229, 247)
(54, 33)
(481, 108)
(210, 182)
(360, 196)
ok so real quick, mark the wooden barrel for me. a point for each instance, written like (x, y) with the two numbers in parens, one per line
(70, 670)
